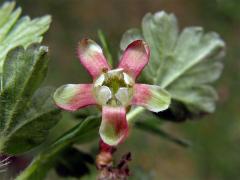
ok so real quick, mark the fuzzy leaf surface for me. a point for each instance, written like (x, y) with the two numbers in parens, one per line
(184, 63)
(25, 116)
(16, 31)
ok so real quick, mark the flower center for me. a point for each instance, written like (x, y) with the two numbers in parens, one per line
(114, 88)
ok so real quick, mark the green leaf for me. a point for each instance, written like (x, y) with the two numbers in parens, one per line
(15, 32)
(46, 160)
(25, 120)
(35, 124)
(85, 131)
(130, 36)
(183, 63)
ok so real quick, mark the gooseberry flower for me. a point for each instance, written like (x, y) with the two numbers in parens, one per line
(113, 90)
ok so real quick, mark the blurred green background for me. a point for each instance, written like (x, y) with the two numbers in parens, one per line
(215, 151)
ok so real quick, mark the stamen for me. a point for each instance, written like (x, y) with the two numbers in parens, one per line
(117, 89)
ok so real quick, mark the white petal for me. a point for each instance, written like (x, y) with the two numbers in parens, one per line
(124, 96)
(103, 94)
(99, 81)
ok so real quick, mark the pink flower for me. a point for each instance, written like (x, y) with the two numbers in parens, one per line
(114, 90)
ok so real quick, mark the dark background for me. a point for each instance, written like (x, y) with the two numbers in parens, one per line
(215, 151)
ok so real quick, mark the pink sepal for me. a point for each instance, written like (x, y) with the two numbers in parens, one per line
(142, 94)
(135, 58)
(92, 58)
(151, 97)
(72, 97)
(114, 126)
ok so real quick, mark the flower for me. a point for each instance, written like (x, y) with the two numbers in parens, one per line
(114, 90)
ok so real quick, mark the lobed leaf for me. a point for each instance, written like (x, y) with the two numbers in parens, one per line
(25, 120)
(19, 32)
(184, 63)
(34, 125)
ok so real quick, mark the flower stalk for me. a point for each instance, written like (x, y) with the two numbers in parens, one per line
(105, 164)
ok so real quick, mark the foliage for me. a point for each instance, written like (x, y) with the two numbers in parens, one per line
(184, 63)
(15, 32)
(25, 116)
(47, 159)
